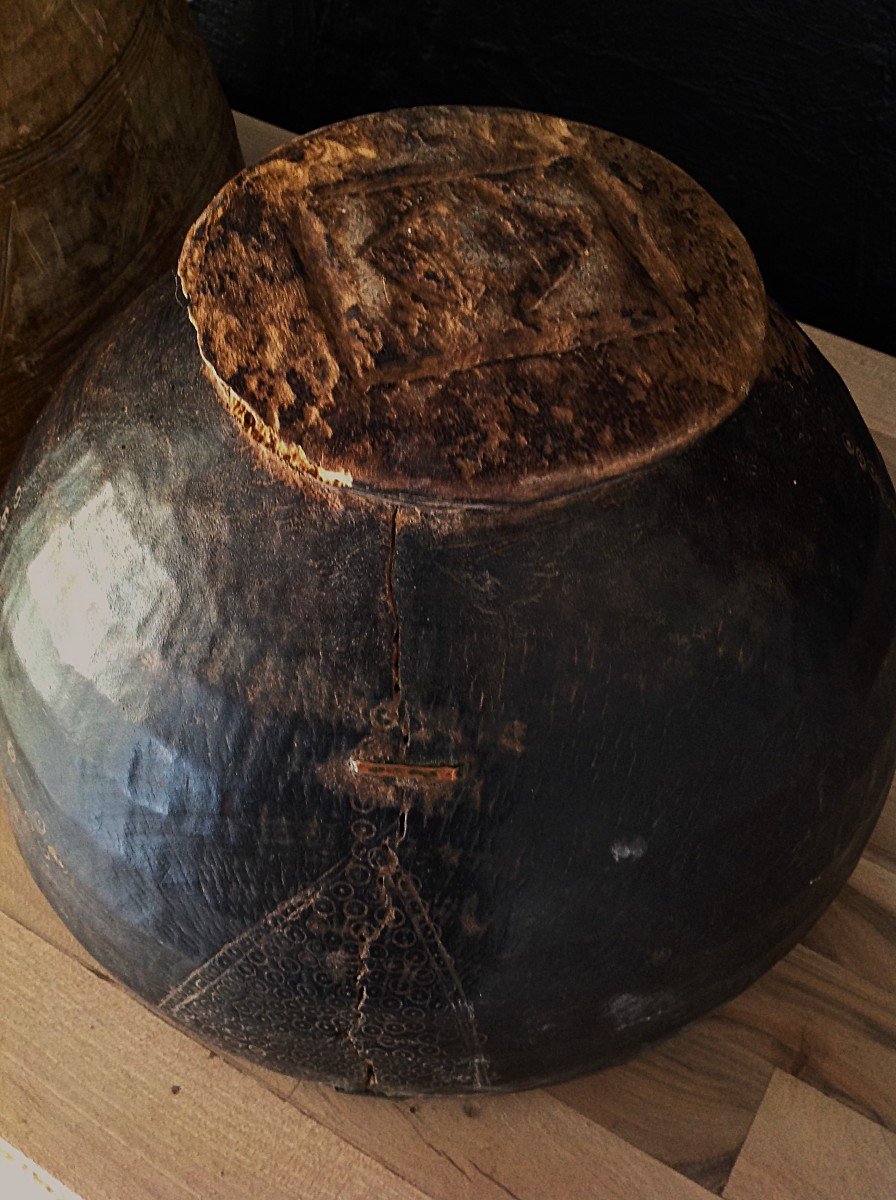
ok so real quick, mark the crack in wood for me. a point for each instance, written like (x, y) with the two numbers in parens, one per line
(355, 1033)
(402, 719)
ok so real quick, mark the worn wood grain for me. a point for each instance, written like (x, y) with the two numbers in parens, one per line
(839, 1031)
(115, 1102)
(525, 1145)
(805, 1146)
(22, 899)
(689, 1101)
(447, 331)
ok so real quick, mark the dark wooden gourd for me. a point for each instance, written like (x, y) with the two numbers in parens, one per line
(114, 134)
(476, 656)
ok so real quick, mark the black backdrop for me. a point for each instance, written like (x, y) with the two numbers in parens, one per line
(785, 110)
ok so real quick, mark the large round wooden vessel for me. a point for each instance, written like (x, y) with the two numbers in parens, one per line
(452, 642)
(114, 134)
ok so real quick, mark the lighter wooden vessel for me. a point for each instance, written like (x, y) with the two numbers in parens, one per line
(114, 134)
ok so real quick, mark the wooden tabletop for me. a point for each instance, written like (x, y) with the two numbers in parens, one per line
(786, 1093)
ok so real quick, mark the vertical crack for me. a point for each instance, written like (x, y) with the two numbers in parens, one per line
(399, 707)
(388, 864)
(387, 871)
(355, 1033)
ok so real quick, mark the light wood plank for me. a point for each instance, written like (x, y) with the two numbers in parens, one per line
(804, 1146)
(859, 929)
(871, 378)
(688, 1101)
(489, 1147)
(22, 899)
(838, 1030)
(526, 1145)
(869, 374)
(117, 1103)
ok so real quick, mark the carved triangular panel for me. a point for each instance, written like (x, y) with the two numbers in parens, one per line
(348, 980)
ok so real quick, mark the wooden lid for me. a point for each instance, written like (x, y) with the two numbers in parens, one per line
(467, 304)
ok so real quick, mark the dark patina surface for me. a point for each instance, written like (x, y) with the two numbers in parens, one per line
(472, 774)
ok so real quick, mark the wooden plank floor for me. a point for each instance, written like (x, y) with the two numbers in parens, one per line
(803, 1144)
(789, 1091)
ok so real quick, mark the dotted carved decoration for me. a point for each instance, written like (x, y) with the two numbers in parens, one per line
(472, 304)
(348, 979)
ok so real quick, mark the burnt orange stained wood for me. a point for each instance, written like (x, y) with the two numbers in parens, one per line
(473, 304)
(374, 728)
(114, 133)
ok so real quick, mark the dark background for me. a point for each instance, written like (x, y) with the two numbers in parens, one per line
(785, 110)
